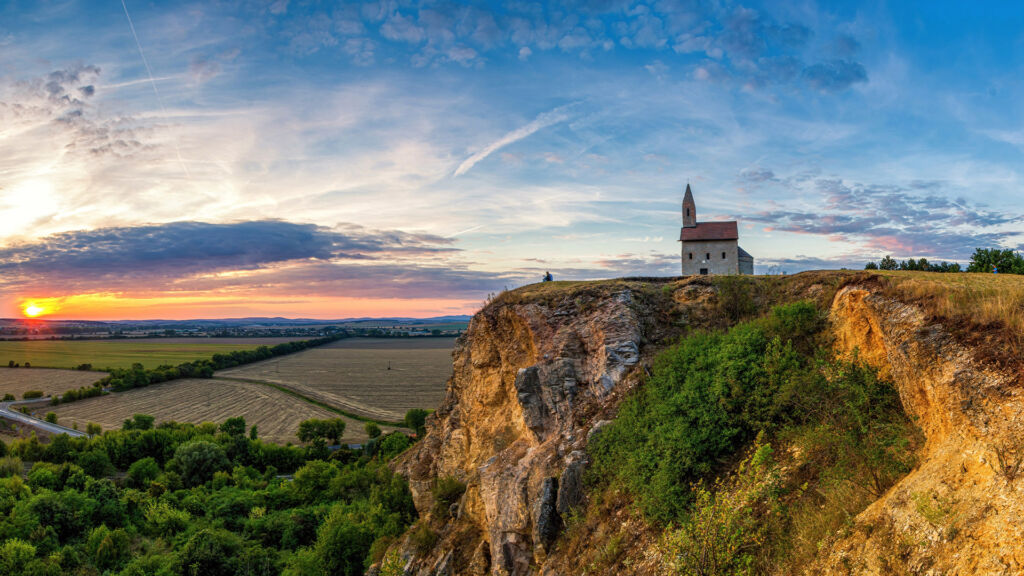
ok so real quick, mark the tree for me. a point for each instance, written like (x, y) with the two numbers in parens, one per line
(871, 266)
(210, 552)
(139, 422)
(144, 471)
(14, 555)
(198, 460)
(233, 426)
(416, 419)
(888, 263)
(314, 428)
(372, 430)
(254, 433)
(1005, 261)
(93, 429)
(51, 417)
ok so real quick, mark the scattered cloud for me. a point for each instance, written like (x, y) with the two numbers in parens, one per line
(905, 221)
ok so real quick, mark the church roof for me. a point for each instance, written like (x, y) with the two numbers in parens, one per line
(743, 253)
(710, 231)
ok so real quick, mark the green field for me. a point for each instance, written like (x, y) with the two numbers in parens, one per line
(104, 354)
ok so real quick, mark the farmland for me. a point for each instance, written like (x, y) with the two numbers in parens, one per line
(122, 353)
(17, 381)
(374, 378)
(275, 413)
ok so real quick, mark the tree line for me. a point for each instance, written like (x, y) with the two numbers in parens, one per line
(983, 260)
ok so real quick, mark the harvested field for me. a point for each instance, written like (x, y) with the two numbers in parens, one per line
(150, 352)
(353, 374)
(276, 413)
(19, 380)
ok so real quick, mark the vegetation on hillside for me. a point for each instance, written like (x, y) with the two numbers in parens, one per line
(185, 500)
(750, 445)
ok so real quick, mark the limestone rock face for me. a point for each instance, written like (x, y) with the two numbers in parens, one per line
(541, 371)
(959, 511)
(514, 421)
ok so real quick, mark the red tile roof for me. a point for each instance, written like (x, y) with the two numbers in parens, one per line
(710, 231)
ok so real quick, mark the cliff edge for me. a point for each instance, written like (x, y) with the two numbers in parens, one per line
(543, 368)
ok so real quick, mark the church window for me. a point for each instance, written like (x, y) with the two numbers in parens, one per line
(723, 255)
(687, 212)
(691, 255)
(707, 256)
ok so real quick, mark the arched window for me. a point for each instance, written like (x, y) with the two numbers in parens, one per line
(723, 255)
(707, 256)
(691, 255)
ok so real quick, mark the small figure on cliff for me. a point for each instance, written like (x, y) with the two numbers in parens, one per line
(548, 277)
(995, 270)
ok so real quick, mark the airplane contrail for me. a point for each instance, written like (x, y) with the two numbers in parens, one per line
(467, 230)
(152, 82)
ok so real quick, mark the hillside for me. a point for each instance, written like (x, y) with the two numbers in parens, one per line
(523, 469)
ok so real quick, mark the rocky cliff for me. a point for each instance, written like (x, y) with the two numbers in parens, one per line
(543, 368)
(531, 378)
(959, 511)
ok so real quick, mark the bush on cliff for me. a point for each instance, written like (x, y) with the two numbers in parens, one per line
(713, 393)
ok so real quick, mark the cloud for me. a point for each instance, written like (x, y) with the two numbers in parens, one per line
(546, 119)
(159, 255)
(911, 221)
(835, 75)
(754, 49)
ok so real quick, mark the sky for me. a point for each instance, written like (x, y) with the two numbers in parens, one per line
(176, 159)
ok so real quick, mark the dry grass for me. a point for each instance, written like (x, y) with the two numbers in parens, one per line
(353, 375)
(18, 380)
(276, 413)
(981, 302)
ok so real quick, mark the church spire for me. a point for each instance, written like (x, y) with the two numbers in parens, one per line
(689, 209)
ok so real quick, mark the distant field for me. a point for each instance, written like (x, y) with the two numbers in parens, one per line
(275, 413)
(353, 374)
(19, 380)
(123, 353)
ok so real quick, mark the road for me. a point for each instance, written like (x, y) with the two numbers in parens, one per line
(8, 412)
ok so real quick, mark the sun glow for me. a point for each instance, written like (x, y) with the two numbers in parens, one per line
(31, 309)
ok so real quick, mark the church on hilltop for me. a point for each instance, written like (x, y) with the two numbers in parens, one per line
(711, 247)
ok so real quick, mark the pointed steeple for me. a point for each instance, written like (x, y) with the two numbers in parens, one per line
(689, 209)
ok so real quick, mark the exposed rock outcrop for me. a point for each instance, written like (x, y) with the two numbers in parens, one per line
(541, 371)
(959, 512)
(528, 376)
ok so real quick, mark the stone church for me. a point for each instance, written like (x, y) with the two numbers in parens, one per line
(711, 247)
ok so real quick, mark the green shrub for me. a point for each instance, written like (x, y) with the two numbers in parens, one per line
(372, 430)
(11, 466)
(32, 394)
(51, 417)
(446, 491)
(713, 393)
(423, 538)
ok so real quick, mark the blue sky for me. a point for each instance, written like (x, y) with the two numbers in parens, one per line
(317, 158)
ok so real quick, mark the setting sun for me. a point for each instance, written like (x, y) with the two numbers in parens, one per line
(32, 310)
